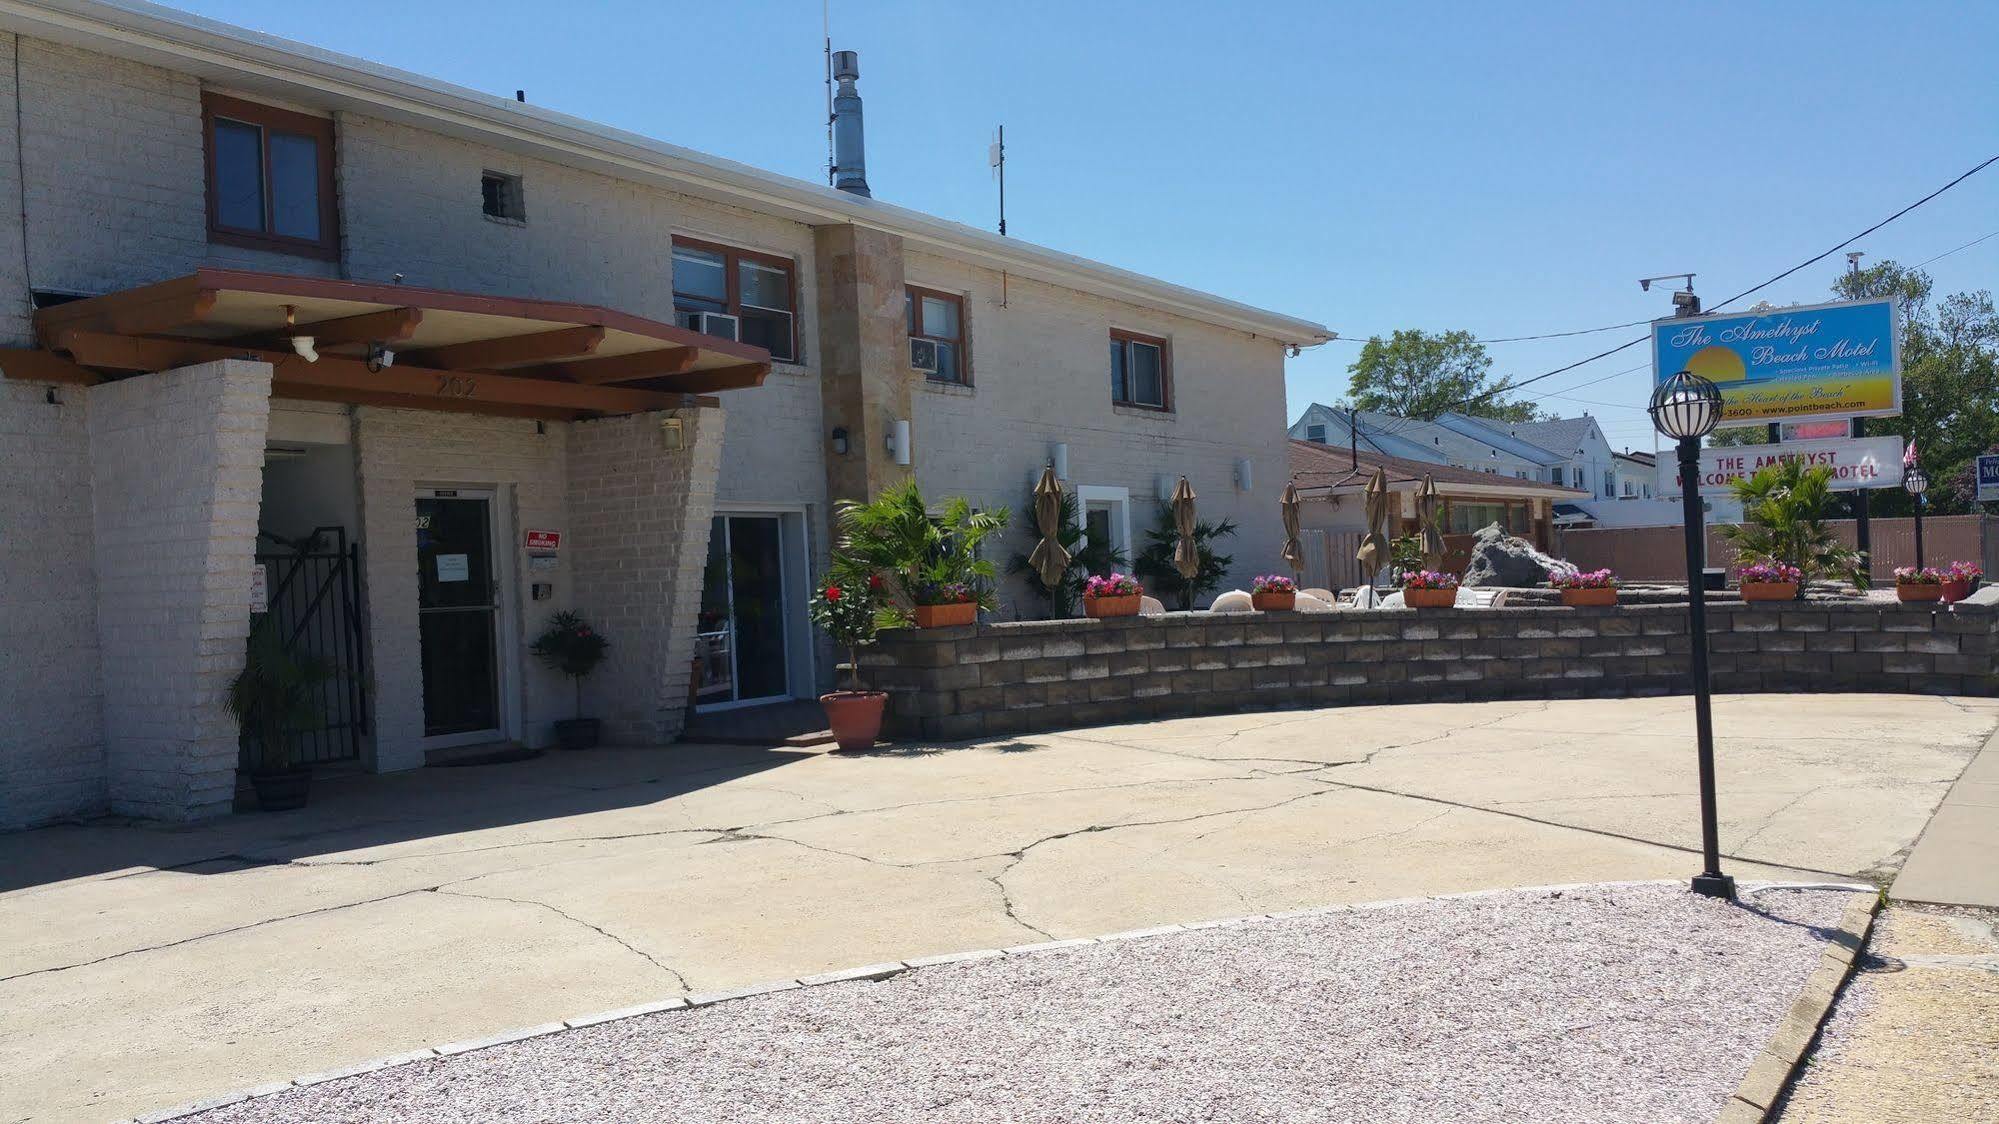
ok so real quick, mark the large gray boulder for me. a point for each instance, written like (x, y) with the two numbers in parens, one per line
(1500, 560)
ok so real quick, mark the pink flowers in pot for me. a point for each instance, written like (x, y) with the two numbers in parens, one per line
(1591, 579)
(1112, 585)
(1273, 583)
(1962, 571)
(1429, 579)
(1909, 575)
(1770, 573)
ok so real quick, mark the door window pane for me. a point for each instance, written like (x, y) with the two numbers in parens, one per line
(294, 186)
(239, 175)
(756, 574)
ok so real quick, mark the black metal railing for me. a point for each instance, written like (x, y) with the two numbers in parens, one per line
(314, 598)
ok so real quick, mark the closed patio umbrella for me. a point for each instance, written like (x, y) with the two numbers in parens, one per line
(1373, 552)
(1049, 560)
(1186, 556)
(1294, 551)
(1426, 515)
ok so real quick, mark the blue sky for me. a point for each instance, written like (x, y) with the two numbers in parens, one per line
(1497, 168)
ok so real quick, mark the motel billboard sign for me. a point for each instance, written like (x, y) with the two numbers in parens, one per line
(1815, 362)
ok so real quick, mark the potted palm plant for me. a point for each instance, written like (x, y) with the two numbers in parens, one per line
(274, 698)
(849, 612)
(1089, 556)
(569, 645)
(929, 566)
(1155, 562)
(1784, 511)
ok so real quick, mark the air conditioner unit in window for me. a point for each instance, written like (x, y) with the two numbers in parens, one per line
(923, 355)
(720, 325)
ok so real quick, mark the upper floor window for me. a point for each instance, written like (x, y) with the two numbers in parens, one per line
(938, 319)
(737, 294)
(1315, 434)
(502, 196)
(1140, 374)
(270, 178)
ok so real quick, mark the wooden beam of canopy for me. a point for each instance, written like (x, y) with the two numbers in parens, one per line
(426, 388)
(391, 325)
(621, 368)
(509, 351)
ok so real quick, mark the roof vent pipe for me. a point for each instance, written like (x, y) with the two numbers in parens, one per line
(850, 160)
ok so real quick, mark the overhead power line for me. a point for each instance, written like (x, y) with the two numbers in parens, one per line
(1966, 246)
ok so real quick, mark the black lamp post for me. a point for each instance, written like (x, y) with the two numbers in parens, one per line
(1686, 408)
(1916, 483)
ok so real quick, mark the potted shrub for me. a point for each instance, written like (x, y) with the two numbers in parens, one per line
(1429, 589)
(1088, 556)
(569, 645)
(849, 614)
(1112, 595)
(1273, 593)
(1785, 508)
(943, 604)
(928, 567)
(1912, 584)
(1593, 588)
(1959, 579)
(275, 697)
(1769, 581)
(1155, 562)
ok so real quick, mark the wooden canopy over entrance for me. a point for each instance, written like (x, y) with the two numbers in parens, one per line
(453, 351)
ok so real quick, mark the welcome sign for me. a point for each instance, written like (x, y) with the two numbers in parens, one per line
(1858, 462)
(1808, 362)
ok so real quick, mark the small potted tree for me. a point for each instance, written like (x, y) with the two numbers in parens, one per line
(930, 565)
(1959, 579)
(1273, 593)
(1430, 589)
(1595, 588)
(569, 645)
(848, 613)
(274, 698)
(1112, 595)
(1769, 581)
(1912, 584)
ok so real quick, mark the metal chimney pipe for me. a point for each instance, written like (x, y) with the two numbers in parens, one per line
(850, 159)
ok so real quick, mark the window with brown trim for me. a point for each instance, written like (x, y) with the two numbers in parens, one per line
(938, 318)
(270, 178)
(737, 294)
(1141, 371)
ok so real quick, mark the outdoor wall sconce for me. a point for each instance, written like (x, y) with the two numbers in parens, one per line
(1244, 474)
(839, 440)
(1164, 484)
(1058, 458)
(672, 435)
(898, 440)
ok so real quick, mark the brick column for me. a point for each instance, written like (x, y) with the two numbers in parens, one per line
(177, 469)
(639, 515)
(864, 377)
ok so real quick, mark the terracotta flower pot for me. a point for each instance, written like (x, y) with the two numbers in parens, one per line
(855, 717)
(944, 616)
(1274, 602)
(1918, 592)
(1769, 591)
(1955, 591)
(1429, 598)
(1125, 606)
(1595, 597)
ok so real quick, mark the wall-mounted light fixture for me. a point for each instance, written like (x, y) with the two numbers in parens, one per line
(898, 440)
(1164, 483)
(839, 440)
(1058, 458)
(1244, 478)
(672, 434)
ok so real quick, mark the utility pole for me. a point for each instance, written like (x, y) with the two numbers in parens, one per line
(1863, 538)
(996, 156)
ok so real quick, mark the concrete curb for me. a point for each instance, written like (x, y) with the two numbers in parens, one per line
(1768, 1076)
(885, 970)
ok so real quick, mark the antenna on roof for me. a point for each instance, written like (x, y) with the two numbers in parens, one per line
(826, 28)
(996, 157)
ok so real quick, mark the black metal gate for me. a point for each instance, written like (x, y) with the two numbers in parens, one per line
(314, 599)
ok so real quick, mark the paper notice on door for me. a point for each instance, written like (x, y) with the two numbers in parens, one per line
(454, 567)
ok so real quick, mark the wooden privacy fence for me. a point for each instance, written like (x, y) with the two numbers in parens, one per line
(1657, 553)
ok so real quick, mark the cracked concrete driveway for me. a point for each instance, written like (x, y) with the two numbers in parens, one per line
(142, 967)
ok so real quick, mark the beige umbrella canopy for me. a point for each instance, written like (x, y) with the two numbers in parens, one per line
(1186, 556)
(1050, 560)
(1426, 515)
(1294, 551)
(1373, 552)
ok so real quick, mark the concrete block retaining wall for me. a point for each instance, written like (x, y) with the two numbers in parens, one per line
(986, 680)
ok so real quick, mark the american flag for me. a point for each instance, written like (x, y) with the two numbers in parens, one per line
(1909, 456)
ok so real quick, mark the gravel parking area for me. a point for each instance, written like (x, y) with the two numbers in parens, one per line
(1608, 1003)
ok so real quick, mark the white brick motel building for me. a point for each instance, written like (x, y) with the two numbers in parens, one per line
(409, 367)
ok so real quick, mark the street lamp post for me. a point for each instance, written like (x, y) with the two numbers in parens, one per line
(1915, 482)
(1686, 408)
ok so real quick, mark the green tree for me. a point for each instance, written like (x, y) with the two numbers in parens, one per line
(1418, 374)
(1087, 558)
(1155, 562)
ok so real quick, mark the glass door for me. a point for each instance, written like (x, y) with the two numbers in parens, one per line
(457, 603)
(742, 643)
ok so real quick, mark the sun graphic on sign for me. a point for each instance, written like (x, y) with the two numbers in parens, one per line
(1717, 364)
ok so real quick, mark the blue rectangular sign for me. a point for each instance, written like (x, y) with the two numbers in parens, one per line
(1803, 363)
(1988, 479)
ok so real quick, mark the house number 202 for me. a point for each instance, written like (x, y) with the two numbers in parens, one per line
(456, 386)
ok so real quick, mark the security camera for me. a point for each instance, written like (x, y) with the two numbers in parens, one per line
(380, 355)
(307, 352)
